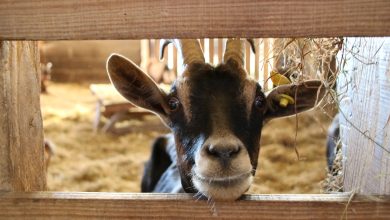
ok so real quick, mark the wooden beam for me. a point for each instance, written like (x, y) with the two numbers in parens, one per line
(248, 58)
(211, 50)
(266, 63)
(156, 49)
(21, 134)
(220, 50)
(137, 19)
(202, 45)
(175, 61)
(364, 88)
(46, 205)
(257, 59)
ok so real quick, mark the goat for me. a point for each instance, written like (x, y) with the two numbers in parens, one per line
(49, 151)
(215, 113)
(332, 141)
(45, 75)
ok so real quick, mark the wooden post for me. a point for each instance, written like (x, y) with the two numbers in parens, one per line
(145, 53)
(257, 59)
(156, 49)
(265, 67)
(220, 50)
(21, 135)
(211, 51)
(248, 58)
(364, 88)
(175, 61)
(202, 45)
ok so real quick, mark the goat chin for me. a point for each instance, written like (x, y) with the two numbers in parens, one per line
(223, 190)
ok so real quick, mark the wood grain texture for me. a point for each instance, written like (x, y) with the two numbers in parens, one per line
(175, 61)
(136, 19)
(21, 132)
(257, 59)
(266, 53)
(364, 89)
(248, 58)
(46, 205)
(220, 50)
(211, 50)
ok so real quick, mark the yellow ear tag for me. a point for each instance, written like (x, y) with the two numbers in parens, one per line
(285, 100)
(278, 79)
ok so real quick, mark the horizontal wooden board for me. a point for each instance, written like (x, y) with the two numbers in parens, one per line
(60, 205)
(136, 19)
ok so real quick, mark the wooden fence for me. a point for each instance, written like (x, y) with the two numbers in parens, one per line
(21, 152)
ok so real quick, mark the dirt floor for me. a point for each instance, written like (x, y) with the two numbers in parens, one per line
(88, 161)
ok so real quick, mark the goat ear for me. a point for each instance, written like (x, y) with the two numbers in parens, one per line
(306, 95)
(135, 85)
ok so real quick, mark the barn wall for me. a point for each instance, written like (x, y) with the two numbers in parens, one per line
(85, 61)
(364, 94)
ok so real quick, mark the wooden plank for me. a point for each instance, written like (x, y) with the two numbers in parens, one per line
(166, 51)
(138, 19)
(257, 59)
(21, 135)
(220, 50)
(365, 115)
(145, 53)
(175, 61)
(265, 63)
(156, 49)
(202, 45)
(46, 205)
(248, 58)
(211, 51)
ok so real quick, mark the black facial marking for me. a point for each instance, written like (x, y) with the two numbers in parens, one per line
(216, 99)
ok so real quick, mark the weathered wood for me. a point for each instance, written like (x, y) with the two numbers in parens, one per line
(157, 49)
(45, 205)
(175, 61)
(265, 63)
(364, 88)
(220, 50)
(137, 19)
(211, 50)
(248, 58)
(257, 59)
(202, 45)
(21, 135)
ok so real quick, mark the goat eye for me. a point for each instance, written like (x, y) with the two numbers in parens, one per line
(173, 104)
(259, 101)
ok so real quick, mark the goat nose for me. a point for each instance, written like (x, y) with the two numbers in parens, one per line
(223, 151)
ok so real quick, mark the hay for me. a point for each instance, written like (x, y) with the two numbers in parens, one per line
(306, 58)
(334, 181)
(85, 161)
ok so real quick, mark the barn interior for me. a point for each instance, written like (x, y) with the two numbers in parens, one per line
(99, 142)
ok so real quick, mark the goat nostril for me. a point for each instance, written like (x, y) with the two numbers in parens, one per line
(223, 152)
(211, 151)
(236, 150)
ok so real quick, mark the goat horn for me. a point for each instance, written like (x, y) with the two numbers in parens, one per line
(235, 50)
(189, 49)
